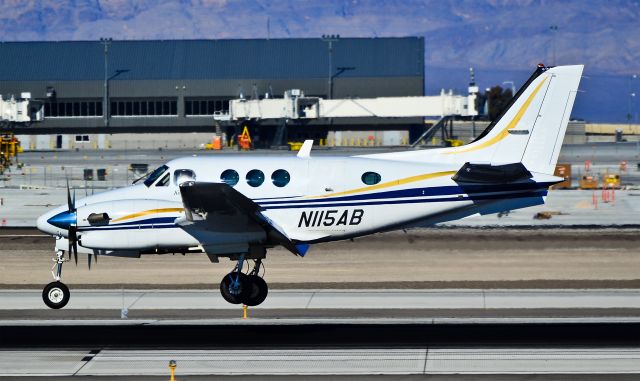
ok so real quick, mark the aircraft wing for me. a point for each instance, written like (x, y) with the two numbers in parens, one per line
(200, 199)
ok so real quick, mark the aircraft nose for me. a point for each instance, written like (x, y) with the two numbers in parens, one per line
(44, 226)
(63, 220)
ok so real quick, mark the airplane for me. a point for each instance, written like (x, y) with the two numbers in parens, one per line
(238, 207)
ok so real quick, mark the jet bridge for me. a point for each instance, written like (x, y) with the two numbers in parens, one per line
(296, 106)
(22, 110)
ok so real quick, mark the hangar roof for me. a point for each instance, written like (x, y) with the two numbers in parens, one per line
(211, 59)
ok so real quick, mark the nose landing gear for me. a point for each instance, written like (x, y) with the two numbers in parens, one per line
(56, 294)
(239, 288)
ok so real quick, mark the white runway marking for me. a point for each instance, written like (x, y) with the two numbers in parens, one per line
(337, 299)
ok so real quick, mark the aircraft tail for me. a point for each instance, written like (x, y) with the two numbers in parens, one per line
(531, 129)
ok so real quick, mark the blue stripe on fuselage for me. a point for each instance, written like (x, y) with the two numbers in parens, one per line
(420, 192)
(473, 193)
(540, 193)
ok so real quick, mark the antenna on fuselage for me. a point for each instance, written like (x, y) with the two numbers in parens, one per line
(305, 150)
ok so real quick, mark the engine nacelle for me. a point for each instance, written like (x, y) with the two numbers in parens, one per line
(132, 225)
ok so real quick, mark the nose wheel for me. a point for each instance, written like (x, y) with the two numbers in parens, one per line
(56, 295)
(239, 288)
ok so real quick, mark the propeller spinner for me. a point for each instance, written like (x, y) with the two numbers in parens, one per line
(68, 220)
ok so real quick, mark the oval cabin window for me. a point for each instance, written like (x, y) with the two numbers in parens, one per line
(371, 178)
(255, 177)
(230, 177)
(280, 178)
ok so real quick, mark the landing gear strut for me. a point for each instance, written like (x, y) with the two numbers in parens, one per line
(239, 288)
(56, 295)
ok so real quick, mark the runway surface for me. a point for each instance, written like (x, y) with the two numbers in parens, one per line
(416, 361)
(89, 348)
(326, 299)
(419, 259)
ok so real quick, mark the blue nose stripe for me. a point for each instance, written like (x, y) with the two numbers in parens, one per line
(63, 220)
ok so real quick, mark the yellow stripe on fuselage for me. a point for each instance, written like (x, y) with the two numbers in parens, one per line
(504, 133)
(147, 212)
(389, 184)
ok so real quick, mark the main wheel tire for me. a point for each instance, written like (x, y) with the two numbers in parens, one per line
(237, 296)
(258, 291)
(56, 295)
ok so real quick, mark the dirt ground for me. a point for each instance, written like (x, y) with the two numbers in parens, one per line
(427, 258)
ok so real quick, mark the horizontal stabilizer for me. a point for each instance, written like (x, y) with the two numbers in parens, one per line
(492, 174)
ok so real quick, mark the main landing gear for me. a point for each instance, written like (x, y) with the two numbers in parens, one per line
(56, 294)
(240, 288)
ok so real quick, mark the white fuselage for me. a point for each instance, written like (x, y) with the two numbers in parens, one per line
(325, 199)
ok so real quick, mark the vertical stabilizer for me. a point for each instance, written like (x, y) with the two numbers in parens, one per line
(532, 128)
(545, 141)
(529, 131)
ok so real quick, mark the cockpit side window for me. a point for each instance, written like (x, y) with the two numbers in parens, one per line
(164, 181)
(182, 175)
(155, 175)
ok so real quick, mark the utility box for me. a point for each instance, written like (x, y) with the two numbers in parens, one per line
(88, 174)
(139, 169)
(564, 171)
(588, 182)
(612, 180)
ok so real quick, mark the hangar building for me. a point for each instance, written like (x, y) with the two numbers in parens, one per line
(179, 85)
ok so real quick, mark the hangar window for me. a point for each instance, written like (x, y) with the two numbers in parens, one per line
(76, 109)
(280, 178)
(199, 106)
(230, 177)
(255, 177)
(143, 107)
(371, 178)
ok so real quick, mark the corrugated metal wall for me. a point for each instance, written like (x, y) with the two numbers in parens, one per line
(211, 59)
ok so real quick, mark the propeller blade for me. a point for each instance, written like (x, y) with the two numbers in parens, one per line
(89, 257)
(69, 204)
(73, 243)
(75, 251)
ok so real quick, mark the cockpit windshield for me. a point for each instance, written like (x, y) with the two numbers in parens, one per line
(153, 176)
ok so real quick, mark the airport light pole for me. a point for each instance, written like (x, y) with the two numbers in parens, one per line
(106, 43)
(330, 39)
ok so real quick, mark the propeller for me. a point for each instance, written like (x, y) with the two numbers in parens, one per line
(73, 228)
